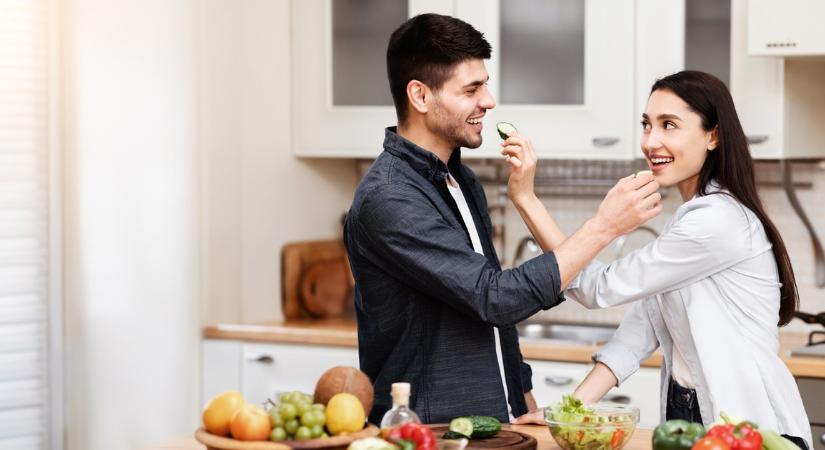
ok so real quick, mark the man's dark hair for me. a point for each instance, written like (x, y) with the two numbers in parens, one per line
(427, 48)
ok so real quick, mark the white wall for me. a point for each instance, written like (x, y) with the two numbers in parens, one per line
(256, 195)
(131, 221)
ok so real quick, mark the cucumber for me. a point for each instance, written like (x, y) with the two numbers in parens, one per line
(641, 172)
(504, 129)
(476, 426)
(454, 435)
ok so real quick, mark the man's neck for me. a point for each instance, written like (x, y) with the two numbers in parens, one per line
(425, 139)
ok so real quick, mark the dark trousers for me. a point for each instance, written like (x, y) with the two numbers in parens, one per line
(682, 404)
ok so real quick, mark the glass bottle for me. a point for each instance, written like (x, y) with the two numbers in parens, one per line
(400, 412)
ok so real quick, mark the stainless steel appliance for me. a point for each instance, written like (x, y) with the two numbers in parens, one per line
(813, 389)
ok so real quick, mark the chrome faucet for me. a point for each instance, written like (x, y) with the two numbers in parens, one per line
(526, 243)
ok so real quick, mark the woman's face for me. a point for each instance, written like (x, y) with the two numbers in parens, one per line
(674, 142)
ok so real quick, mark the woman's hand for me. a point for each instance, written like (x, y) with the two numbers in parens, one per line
(535, 417)
(520, 156)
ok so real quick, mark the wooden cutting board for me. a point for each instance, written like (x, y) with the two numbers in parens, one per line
(506, 438)
(316, 280)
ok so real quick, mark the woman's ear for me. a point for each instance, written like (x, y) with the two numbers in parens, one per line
(419, 95)
(713, 138)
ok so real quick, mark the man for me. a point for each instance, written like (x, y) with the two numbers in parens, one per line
(433, 306)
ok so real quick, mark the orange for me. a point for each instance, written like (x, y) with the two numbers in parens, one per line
(219, 412)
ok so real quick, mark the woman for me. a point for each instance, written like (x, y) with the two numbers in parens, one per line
(711, 289)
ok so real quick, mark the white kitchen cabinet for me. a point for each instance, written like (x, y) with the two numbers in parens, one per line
(781, 28)
(261, 370)
(561, 70)
(774, 98)
(552, 380)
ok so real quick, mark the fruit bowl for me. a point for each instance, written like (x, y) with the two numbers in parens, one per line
(215, 442)
(606, 427)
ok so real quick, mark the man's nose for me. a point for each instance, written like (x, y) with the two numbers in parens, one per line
(487, 101)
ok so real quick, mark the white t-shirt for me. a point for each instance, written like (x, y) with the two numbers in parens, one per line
(464, 209)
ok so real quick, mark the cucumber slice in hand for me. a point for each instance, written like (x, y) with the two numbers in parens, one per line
(642, 172)
(504, 129)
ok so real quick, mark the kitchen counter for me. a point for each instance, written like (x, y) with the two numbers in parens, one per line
(639, 441)
(341, 332)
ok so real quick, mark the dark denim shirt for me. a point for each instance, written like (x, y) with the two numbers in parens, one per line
(426, 303)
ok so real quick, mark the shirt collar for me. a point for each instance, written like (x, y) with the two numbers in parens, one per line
(421, 160)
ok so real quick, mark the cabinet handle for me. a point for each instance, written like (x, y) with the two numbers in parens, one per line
(260, 358)
(605, 141)
(618, 398)
(757, 138)
(557, 381)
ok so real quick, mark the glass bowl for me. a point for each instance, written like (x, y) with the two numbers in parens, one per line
(609, 427)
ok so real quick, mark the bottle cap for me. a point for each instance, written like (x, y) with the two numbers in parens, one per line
(401, 393)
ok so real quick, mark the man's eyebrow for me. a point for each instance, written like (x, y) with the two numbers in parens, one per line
(477, 83)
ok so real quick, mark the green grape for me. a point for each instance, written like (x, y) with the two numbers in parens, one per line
(301, 407)
(324, 434)
(309, 399)
(320, 418)
(285, 397)
(317, 431)
(318, 407)
(288, 411)
(275, 417)
(278, 434)
(308, 418)
(291, 426)
(303, 434)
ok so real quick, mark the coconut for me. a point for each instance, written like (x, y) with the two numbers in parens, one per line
(344, 379)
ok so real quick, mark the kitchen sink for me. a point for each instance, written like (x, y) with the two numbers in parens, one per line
(573, 333)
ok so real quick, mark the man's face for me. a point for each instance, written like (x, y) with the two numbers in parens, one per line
(460, 105)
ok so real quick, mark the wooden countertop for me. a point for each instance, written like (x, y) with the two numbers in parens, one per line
(639, 441)
(342, 333)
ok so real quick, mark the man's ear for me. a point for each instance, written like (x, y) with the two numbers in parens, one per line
(713, 138)
(419, 96)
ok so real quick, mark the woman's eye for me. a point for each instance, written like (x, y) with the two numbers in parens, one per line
(645, 125)
(669, 125)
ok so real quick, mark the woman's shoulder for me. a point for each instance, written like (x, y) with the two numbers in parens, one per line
(719, 213)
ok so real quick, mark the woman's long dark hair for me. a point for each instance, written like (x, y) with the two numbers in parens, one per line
(731, 165)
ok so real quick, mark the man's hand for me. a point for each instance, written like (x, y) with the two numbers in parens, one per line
(631, 202)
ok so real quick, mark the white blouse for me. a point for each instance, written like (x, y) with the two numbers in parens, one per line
(709, 285)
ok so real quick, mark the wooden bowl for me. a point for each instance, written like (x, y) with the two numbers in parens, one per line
(215, 442)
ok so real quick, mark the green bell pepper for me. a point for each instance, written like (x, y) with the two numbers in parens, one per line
(677, 435)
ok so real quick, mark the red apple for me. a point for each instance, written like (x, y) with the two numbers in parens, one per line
(250, 423)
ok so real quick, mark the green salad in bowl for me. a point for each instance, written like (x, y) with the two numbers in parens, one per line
(575, 426)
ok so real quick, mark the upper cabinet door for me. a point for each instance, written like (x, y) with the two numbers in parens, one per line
(341, 99)
(561, 72)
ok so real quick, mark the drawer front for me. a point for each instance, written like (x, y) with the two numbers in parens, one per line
(269, 369)
(552, 380)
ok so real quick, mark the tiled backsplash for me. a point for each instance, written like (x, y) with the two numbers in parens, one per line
(572, 205)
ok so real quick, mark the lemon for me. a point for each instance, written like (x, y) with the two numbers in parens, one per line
(345, 414)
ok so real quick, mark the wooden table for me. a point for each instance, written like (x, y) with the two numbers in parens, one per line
(639, 441)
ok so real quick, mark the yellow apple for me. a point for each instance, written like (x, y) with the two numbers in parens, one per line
(219, 411)
(250, 423)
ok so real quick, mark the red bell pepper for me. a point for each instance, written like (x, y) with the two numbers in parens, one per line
(420, 434)
(738, 437)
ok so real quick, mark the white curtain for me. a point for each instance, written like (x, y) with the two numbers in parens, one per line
(24, 226)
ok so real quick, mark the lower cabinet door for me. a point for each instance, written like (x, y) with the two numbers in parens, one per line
(269, 369)
(552, 380)
(642, 391)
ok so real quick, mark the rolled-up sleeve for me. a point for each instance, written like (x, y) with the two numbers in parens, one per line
(526, 377)
(399, 228)
(633, 342)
